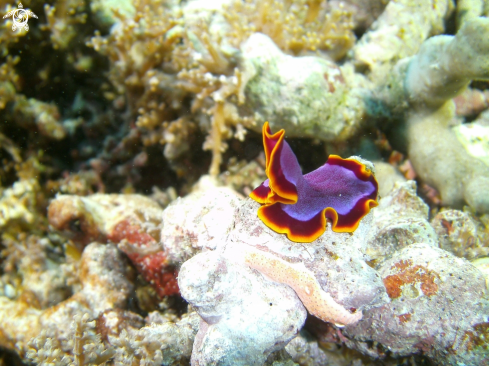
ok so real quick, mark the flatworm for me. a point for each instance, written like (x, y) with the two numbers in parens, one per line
(342, 191)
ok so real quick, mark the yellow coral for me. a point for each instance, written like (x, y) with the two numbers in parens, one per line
(18, 202)
(9, 81)
(62, 19)
(295, 26)
(162, 60)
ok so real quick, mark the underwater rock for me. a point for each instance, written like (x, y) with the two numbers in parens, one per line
(461, 234)
(200, 221)
(400, 219)
(337, 260)
(244, 316)
(418, 92)
(131, 221)
(307, 96)
(399, 30)
(387, 175)
(438, 309)
(105, 284)
(482, 264)
(441, 161)
(218, 283)
(305, 350)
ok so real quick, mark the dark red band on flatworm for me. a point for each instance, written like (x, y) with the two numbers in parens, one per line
(349, 223)
(260, 194)
(299, 231)
(355, 166)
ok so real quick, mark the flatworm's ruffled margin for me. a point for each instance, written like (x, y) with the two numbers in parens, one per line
(342, 191)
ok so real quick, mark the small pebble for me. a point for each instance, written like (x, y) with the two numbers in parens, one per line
(9, 291)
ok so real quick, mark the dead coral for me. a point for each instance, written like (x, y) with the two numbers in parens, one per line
(82, 183)
(131, 221)
(105, 283)
(462, 234)
(31, 273)
(18, 202)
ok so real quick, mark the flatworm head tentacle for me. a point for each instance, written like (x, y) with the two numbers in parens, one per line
(282, 168)
(342, 191)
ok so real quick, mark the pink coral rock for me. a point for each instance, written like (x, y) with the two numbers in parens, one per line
(132, 221)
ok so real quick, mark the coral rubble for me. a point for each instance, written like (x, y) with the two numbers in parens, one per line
(428, 81)
(133, 222)
(129, 142)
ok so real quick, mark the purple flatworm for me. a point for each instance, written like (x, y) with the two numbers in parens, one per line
(342, 191)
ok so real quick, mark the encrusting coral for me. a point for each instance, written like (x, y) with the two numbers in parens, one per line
(395, 226)
(437, 307)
